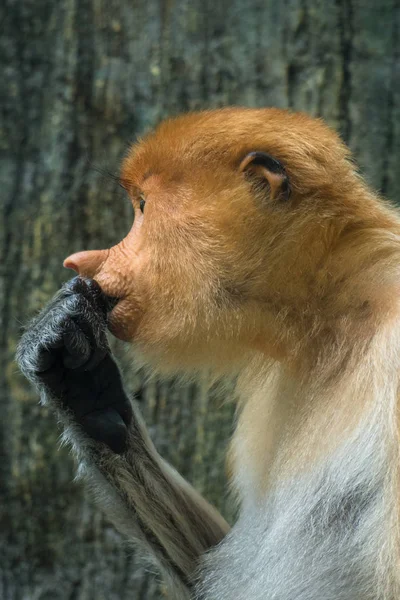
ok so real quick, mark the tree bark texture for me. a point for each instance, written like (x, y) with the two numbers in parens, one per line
(80, 80)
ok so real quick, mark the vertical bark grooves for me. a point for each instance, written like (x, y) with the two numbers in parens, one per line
(390, 126)
(346, 34)
(80, 80)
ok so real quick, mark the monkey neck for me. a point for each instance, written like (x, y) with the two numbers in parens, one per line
(332, 368)
(315, 464)
(291, 424)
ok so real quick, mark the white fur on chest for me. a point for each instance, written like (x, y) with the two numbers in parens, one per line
(320, 536)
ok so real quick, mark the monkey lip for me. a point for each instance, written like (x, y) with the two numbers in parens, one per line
(123, 318)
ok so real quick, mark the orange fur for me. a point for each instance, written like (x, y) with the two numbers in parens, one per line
(217, 276)
(210, 268)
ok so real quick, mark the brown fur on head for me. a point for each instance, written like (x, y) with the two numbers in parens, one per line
(224, 261)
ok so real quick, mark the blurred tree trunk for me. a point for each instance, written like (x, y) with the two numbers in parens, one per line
(80, 79)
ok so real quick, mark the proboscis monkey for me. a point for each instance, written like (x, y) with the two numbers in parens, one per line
(256, 252)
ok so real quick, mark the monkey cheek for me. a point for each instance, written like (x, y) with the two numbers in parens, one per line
(123, 320)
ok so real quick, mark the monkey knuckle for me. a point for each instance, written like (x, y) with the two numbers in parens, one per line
(76, 285)
(85, 287)
(78, 308)
(72, 314)
(89, 293)
(72, 305)
(40, 340)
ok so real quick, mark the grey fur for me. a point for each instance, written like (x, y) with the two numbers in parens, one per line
(323, 534)
(142, 495)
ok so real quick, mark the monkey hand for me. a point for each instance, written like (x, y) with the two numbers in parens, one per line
(65, 354)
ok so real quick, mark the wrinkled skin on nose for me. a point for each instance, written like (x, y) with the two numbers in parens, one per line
(116, 270)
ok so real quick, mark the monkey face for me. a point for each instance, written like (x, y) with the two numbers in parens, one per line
(173, 276)
(213, 240)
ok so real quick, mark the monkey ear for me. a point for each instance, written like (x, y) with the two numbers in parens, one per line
(263, 169)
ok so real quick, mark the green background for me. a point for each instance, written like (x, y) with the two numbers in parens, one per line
(80, 79)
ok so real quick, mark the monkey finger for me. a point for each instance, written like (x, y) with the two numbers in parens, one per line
(93, 329)
(76, 348)
(91, 291)
(97, 296)
(56, 344)
(85, 335)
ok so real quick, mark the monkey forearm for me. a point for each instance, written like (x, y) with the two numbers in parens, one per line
(177, 524)
(65, 354)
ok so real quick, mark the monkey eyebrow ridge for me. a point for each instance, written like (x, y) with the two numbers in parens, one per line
(130, 187)
(148, 174)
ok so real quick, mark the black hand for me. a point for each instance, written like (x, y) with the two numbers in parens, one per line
(65, 354)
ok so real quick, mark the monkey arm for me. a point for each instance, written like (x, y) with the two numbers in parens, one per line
(65, 354)
(154, 501)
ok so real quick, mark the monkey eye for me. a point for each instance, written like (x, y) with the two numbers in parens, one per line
(142, 203)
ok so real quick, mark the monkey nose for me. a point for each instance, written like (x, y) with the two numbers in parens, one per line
(87, 263)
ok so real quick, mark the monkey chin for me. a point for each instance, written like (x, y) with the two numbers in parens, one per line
(123, 320)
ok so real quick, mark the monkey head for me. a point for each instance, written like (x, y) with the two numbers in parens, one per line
(233, 213)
